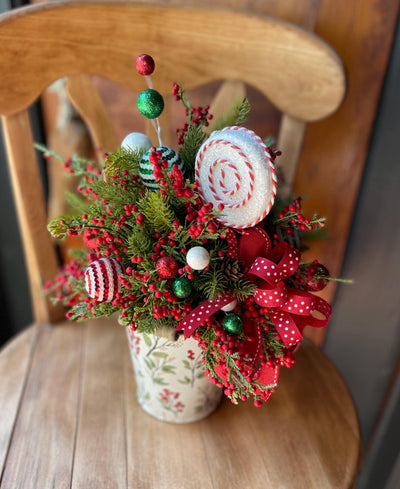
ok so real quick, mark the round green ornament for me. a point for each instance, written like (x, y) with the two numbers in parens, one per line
(232, 323)
(182, 287)
(150, 103)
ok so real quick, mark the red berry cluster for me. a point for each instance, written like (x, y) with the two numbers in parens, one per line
(169, 180)
(291, 219)
(244, 371)
(197, 116)
(62, 285)
(311, 276)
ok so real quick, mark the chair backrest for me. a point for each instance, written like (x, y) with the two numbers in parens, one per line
(298, 72)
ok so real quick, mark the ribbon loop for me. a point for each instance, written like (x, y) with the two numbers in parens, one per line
(202, 312)
(276, 297)
(289, 309)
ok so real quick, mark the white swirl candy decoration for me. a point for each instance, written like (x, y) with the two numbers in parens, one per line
(234, 168)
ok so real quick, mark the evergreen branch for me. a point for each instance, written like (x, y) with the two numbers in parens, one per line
(212, 283)
(123, 159)
(157, 211)
(235, 116)
(139, 243)
(242, 112)
(242, 288)
(192, 141)
(76, 201)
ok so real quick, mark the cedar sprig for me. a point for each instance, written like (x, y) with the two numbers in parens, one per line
(235, 116)
(211, 283)
(74, 166)
(122, 160)
(242, 288)
(157, 211)
(193, 139)
(140, 242)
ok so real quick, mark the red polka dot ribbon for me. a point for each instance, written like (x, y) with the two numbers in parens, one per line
(202, 312)
(290, 309)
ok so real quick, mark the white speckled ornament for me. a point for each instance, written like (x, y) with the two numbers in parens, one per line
(234, 168)
(101, 279)
(146, 167)
(136, 141)
(198, 258)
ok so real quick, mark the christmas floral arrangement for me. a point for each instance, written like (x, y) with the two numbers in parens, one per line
(195, 242)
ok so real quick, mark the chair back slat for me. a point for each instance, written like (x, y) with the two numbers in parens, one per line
(290, 142)
(231, 92)
(40, 256)
(86, 100)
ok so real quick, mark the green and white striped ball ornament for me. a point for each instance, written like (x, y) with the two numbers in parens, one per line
(146, 167)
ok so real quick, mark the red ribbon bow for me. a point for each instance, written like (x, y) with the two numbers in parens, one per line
(290, 309)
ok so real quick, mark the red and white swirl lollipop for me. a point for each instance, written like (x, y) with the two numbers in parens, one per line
(234, 168)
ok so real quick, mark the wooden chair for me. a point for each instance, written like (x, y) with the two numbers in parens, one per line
(42, 43)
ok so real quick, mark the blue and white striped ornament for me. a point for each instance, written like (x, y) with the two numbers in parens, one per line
(101, 279)
(146, 167)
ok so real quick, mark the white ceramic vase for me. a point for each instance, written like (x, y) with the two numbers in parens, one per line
(170, 378)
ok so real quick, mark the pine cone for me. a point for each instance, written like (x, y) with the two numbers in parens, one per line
(231, 268)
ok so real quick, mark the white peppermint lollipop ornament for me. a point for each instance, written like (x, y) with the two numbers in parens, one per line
(234, 168)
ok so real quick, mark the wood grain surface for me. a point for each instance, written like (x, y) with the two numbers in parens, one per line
(55, 44)
(40, 256)
(70, 420)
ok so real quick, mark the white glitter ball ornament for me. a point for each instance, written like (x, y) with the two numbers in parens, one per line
(136, 141)
(146, 167)
(229, 307)
(234, 168)
(198, 258)
(101, 279)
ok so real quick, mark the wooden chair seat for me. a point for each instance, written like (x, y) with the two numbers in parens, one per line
(70, 419)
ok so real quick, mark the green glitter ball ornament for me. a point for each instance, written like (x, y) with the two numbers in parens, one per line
(232, 323)
(150, 103)
(182, 287)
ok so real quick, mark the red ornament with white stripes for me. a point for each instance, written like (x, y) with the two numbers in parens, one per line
(101, 279)
(234, 168)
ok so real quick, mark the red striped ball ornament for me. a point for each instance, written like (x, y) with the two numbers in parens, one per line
(101, 279)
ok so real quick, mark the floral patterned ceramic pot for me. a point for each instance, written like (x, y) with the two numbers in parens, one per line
(170, 378)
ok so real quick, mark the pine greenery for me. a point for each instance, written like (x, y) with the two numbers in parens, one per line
(193, 139)
(157, 211)
(235, 116)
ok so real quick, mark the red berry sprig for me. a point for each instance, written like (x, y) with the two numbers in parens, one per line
(311, 276)
(291, 220)
(197, 116)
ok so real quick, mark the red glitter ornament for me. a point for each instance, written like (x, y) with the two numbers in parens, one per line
(166, 267)
(145, 65)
